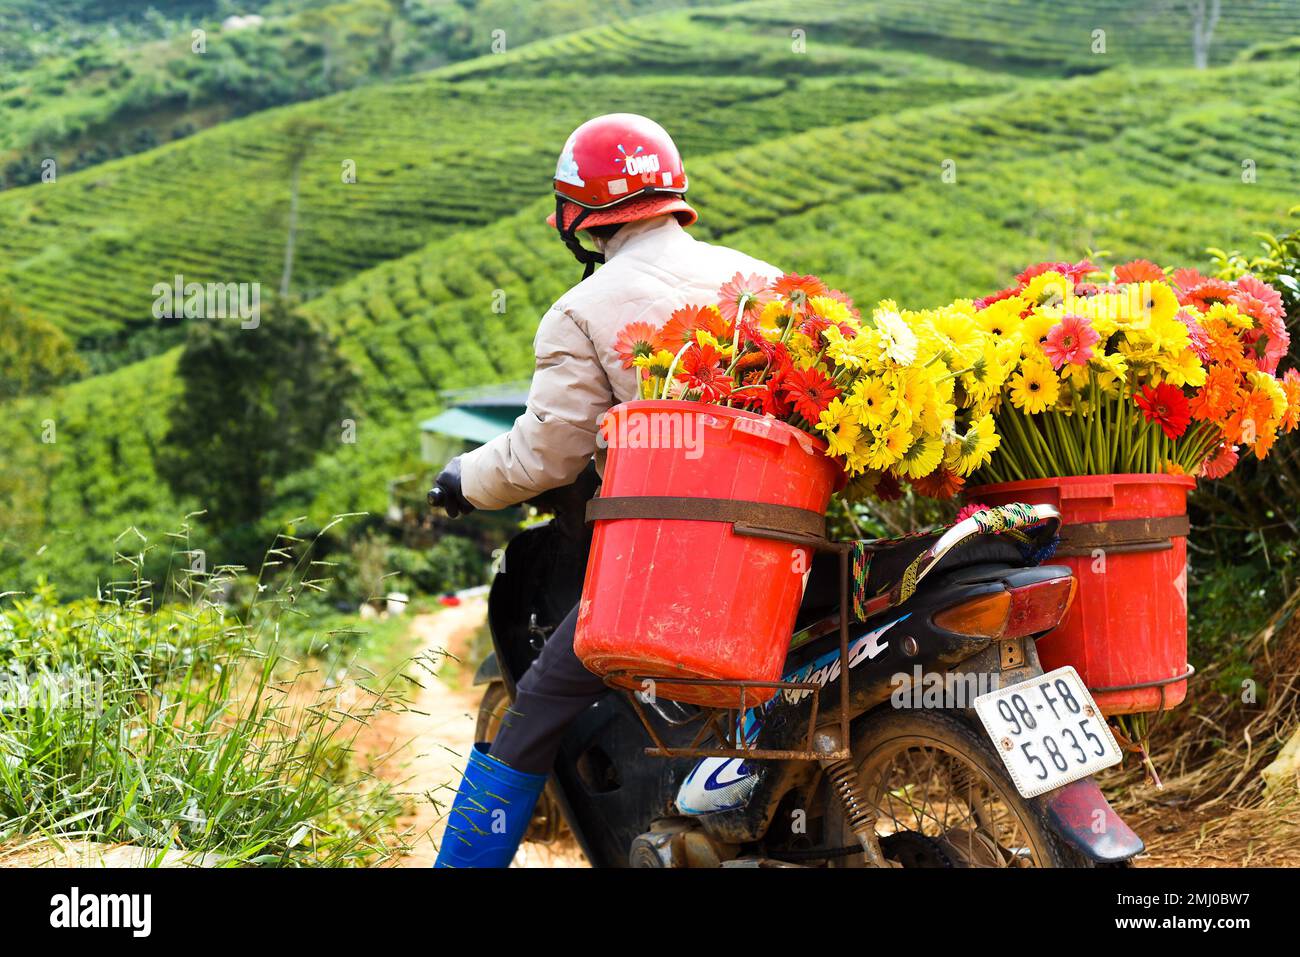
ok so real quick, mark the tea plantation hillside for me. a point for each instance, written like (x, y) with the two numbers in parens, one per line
(1051, 36)
(1140, 164)
(94, 81)
(87, 250)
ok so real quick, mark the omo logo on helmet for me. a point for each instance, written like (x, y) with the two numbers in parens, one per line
(636, 164)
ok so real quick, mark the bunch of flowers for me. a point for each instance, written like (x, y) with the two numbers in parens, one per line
(1141, 370)
(894, 395)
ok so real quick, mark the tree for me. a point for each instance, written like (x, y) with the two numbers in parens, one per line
(1204, 17)
(35, 355)
(255, 405)
(300, 132)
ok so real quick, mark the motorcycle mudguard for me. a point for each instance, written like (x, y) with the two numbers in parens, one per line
(488, 671)
(1080, 813)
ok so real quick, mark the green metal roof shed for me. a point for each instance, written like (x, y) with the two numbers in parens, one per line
(473, 417)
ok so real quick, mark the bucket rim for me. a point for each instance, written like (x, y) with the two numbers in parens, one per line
(678, 405)
(1114, 478)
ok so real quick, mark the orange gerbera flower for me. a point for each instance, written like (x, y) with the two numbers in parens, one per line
(1213, 400)
(1205, 294)
(1251, 422)
(798, 289)
(1219, 463)
(1139, 270)
(636, 339)
(683, 323)
(1291, 386)
(941, 484)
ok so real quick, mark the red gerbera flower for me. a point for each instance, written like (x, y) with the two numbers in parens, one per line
(699, 368)
(1166, 406)
(813, 326)
(1139, 270)
(810, 391)
(985, 301)
(888, 488)
(1072, 271)
(636, 339)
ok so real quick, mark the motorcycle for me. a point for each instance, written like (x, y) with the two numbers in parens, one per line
(921, 781)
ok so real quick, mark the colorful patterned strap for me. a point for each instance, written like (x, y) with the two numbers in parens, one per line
(1033, 527)
(859, 569)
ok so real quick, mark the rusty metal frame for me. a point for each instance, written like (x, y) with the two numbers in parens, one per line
(726, 723)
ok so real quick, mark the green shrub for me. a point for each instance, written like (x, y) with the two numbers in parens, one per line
(181, 729)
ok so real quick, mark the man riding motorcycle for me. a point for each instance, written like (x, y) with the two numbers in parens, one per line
(620, 180)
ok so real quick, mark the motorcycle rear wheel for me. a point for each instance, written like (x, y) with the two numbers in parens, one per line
(944, 799)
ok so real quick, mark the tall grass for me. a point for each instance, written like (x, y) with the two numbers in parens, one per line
(176, 726)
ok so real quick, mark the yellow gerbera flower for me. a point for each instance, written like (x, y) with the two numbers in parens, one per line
(1183, 368)
(839, 428)
(1229, 313)
(852, 353)
(872, 402)
(773, 315)
(1035, 388)
(1048, 288)
(1002, 318)
(975, 448)
(922, 457)
(830, 309)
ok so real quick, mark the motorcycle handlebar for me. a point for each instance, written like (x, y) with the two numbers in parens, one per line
(437, 497)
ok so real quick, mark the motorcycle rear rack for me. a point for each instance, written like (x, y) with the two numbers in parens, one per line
(725, 725)
(1034, 528)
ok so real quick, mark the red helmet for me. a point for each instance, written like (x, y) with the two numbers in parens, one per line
(619, 168)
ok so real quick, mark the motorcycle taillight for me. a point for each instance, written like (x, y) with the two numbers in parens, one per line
(1013, 613)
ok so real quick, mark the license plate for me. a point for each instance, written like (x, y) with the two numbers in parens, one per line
(1048, 731)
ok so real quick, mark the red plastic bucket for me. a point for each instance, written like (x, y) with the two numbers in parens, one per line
(674, 598)
(1126, 634)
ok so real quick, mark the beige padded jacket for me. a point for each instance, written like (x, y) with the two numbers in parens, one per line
(652, 268)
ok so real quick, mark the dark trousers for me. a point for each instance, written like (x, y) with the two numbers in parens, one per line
(556, 687)
(553, 691)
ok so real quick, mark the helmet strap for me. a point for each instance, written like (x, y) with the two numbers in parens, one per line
(588, 257)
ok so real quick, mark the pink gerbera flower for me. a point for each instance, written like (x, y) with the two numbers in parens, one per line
(1270, 341)
(1070, 340)
(743, 295)
(1186, 279)
(1264, 293)
(1196, 334)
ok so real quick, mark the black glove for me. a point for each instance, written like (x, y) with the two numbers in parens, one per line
(446, 493)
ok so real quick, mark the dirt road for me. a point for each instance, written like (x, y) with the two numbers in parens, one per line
(440, 730)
